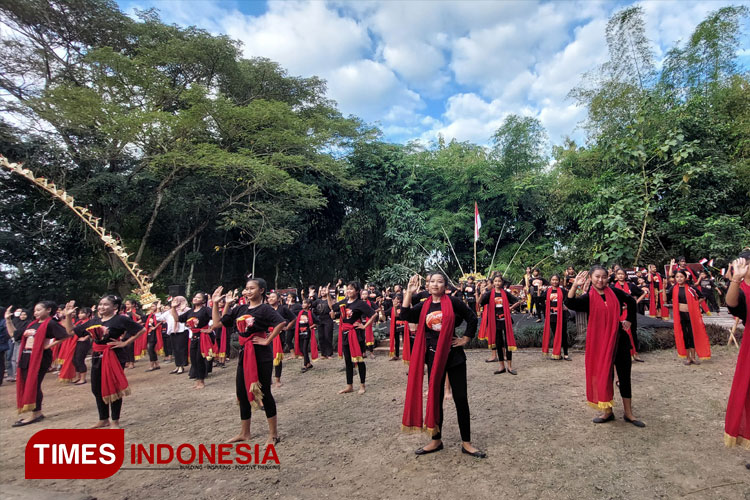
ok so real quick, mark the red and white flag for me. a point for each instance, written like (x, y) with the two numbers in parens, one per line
(711, 263)
(703, 261)
(477, 222)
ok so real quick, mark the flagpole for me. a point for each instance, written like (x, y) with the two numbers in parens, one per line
(475, 256)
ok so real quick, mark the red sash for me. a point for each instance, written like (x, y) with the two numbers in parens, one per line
(249, 364)
(114, 383)
(412, 419)
(654, 297)
(557, 345)
(348, 329)
(482, 326)
(26, 386)
(488, 322)
(140, 345)
(369, 332)
(67, 351)
(700, 338)
(311, 332)
(159, 347)
(392, 334)
(624, 315)
(221, 344)
(601, 341)
(407, 344)
(737, 421)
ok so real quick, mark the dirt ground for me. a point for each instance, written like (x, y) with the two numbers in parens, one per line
(535, 427)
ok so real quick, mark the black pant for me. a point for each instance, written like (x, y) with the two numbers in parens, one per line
(687, 330)
(198, 364)
(501, 342)
(713, 306)
(361, 368)
(457, 378)
(130, 352)
(264, 377)
(79, 357)
(167, 344)
(325, 336)
(96, 388)
(304, 341)
(623, 363)
(23, 365)
(2, 365)
(277, 369)
(397, 338)
(538, 305)
(180, 347)
(289, 340)
(151, 347)
(564, 332)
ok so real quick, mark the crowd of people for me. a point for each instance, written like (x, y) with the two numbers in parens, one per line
(258, 328)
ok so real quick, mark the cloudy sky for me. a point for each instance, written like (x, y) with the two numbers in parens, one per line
(422, 68)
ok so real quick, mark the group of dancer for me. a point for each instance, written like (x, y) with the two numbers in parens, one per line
(426, 317)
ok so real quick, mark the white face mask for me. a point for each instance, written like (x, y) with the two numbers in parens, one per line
(17, 314)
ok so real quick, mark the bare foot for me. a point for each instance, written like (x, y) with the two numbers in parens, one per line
(199, 385)
(279, 384)
(361, 390)
(100, 424)
(238, 438)
(347, 389)
(115, 424)
(448, 396)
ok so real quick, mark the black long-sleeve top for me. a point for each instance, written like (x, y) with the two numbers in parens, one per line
(433, 321)
(681, 294)
(740, 310)
(581, 304)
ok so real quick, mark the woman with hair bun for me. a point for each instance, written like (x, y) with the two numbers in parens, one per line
(107, 330)
(35, 358)
(351, 312)
(255, 363)
(437, 345)
(607, 342)
(690, 335)
(202, 340)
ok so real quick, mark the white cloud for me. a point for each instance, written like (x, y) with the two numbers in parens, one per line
(472, 62)
(307, 38)
(370, 89)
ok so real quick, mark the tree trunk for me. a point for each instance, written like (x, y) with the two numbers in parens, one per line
(206, 221)
(157, 205)
(252, 271)
(276, 276)
(192, 268)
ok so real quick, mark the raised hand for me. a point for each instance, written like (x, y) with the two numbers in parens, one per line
(740, 268)
(70, 309)
(217, 295)
(413, 285)
(581, 278)
(9, 312)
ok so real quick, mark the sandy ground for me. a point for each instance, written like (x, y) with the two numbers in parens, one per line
(535, 427)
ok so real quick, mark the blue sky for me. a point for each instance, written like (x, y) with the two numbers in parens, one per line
(420, 69)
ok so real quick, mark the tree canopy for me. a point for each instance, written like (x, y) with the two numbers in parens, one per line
(210, 166)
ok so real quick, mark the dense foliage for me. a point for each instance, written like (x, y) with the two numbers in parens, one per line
(209, 166)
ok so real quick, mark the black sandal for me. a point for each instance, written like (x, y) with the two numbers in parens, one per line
(422, 451)
(635, 422)
(498, 372)
(21, 423)
(600, 420)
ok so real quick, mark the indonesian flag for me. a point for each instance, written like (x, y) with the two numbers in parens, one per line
(703, 261)
(711, 263)
(477, 222)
